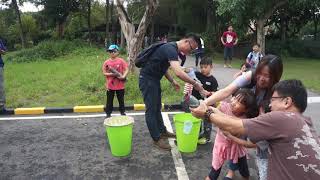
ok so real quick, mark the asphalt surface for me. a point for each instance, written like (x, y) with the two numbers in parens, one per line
(77, 148)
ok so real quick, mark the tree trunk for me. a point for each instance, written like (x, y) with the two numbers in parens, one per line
(113, 26)
(122, 42)
(107, 38)
(261, 38)
(135, 38)
(315, 22)
(60, 29)
(22, 33)
(315, 29)
(209, 10)
(89, 20)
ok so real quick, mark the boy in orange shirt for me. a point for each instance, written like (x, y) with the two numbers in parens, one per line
(115, 70)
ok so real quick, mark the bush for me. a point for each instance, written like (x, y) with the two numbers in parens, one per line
(45, 50)
(296, 48)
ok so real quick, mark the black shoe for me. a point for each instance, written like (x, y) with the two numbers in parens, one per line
(123, 114)
(108, 115)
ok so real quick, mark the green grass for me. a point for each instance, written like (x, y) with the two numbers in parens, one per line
(74, 79)
(307, 70)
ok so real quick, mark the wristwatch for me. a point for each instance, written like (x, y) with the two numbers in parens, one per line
(207, 114)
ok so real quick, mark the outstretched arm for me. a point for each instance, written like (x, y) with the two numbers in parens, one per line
(247, 144)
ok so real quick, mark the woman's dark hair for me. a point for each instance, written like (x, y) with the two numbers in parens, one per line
(275, 66)
(248, 99)
(294, 89)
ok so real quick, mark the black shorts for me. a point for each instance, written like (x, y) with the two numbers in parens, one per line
(241, 165)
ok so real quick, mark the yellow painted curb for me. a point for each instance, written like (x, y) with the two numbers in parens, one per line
(142, 107)
(80, 109)
(139, 107)
(35, 110)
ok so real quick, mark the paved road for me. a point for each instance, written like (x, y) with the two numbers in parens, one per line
(65, 147)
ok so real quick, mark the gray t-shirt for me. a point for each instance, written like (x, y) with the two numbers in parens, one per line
(293, 144)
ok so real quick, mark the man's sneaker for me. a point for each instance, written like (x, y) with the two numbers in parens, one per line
(168, 134)
(203, 141)
(225, 66)
(123, 114)
(108, 115)
(229, 66)
(162, 144)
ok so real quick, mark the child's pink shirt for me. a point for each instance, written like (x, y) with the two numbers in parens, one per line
(224, 148)
(113, 83)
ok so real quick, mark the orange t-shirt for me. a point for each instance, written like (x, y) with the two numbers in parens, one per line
(120, 65)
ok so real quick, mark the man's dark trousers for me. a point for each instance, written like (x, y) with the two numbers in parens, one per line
(151, 92)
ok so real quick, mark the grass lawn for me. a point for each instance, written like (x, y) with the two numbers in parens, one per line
(76, 79)
(307, 70)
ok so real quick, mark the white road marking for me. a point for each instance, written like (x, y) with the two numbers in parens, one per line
(313, 100)
(71, 116)
(177, 159)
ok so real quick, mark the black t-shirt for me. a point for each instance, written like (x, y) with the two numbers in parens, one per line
(158, 63)
(209, 83)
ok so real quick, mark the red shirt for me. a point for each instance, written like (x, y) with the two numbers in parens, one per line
(229, 38)
(113, 83)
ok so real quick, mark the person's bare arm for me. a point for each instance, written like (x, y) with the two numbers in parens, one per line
(222, 41)
(178, 71)
(221, 94)
(236, 41)
(174, 83)
(237, 74)
(2, 51)
(106, 72)
(231, 124)
(247, 144)
(169, 77)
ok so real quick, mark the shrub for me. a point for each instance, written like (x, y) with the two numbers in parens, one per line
(45, 50)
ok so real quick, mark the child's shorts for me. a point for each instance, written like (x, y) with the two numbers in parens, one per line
(241, 165)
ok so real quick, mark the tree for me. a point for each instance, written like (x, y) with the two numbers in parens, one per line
(59, 10)
(246, 11)
(107, 20)
(89, 19)
(14, 5)
(134, 37)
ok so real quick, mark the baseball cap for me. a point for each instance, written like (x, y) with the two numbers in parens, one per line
(113, 47)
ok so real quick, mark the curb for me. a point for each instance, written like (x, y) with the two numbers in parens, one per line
(81, 109)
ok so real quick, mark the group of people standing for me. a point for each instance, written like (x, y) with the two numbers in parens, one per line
(263, 113)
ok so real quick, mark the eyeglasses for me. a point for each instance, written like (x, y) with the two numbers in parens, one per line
(113, 51)
(277, 97)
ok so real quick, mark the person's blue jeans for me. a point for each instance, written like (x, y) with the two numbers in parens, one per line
(199, 55)
(228, 53)
(151, 92)
(2, 94)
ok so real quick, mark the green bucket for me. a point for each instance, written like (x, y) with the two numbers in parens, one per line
(187, 130)
(119, 132)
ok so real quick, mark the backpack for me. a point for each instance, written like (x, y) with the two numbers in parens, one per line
(251, 56)
(144, 55)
